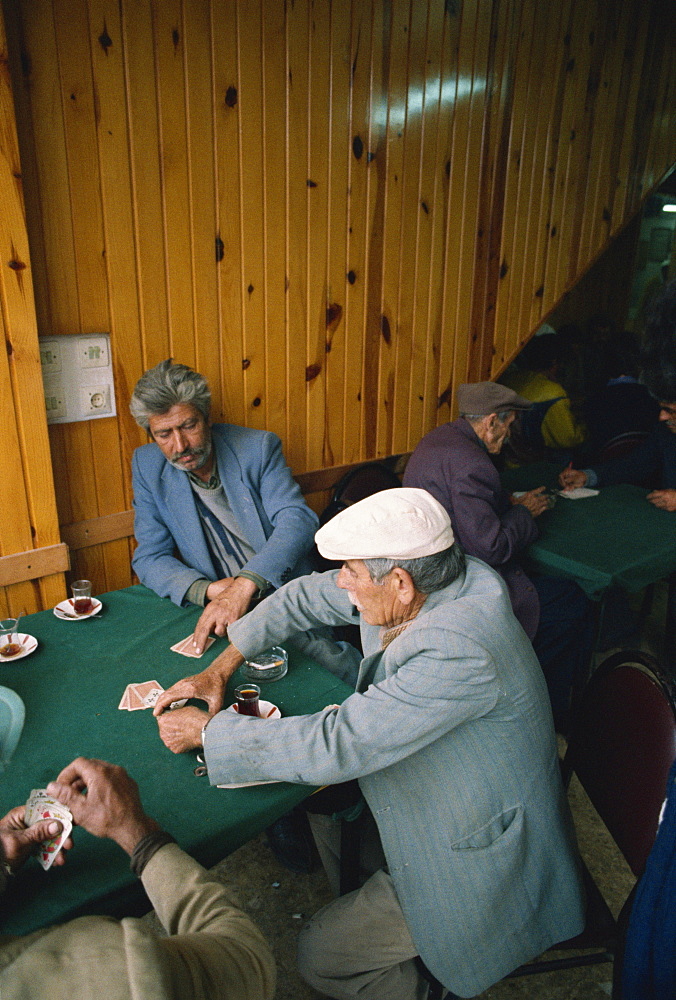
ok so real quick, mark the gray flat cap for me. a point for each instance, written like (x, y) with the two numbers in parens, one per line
(481, 398)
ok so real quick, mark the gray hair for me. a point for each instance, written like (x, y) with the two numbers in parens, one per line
(168, 385)
(428, 573)
(475, 418)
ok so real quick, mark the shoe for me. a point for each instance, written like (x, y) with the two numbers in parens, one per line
(290, 840)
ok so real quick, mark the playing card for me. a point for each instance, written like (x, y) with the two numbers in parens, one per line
(144, 695)
(141, 692)
(42, 806)
(185, 647)
(124, 703)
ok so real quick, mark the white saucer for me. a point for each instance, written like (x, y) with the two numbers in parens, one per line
(67, 606)
(265, 707)
(29, 643)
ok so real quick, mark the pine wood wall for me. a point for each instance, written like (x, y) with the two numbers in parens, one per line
(335, 210)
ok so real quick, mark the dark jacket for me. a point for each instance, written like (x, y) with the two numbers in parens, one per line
(652, 461)
(452, 464)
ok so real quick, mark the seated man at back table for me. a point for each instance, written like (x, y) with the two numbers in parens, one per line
(449, 734)
(454, 463)
(655, 458)
(212, 951)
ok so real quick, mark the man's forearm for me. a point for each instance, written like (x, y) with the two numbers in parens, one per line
(226, 664)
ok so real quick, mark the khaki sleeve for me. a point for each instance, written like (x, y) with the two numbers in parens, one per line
(214, 949)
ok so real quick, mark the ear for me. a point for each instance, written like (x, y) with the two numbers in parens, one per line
(404, 586)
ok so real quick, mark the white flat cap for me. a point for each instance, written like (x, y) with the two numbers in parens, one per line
(402, 523)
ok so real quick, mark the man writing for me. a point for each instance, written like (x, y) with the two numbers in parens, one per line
(449, 734)
(454, 463)
(212, 951)
(654, 460)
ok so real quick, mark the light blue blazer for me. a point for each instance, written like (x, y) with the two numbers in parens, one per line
(261, 491)
(451, 737)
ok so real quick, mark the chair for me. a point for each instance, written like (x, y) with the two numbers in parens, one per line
(621, 445)
(355, 485)
(622, 745)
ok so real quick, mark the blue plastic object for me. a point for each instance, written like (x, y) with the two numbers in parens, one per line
(12, 715)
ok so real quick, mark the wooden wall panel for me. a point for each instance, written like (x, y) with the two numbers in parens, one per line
(336, 210)
(29, 517)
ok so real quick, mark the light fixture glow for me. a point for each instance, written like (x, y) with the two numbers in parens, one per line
(669, 208)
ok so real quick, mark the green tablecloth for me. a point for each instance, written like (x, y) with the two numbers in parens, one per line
(615, 538)
(71, 686)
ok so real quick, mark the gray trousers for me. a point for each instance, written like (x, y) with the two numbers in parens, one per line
(359, 946)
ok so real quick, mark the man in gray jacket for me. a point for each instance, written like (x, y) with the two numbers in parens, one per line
(449, 733)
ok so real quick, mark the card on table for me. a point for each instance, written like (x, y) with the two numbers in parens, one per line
(144, 695)
(185, 646)
(41, 806)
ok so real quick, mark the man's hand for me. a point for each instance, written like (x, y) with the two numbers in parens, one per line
(666, 499)
(20, 841)
(231, 603)
(572, 479)
(104, 800)
(536, 501)
(208, 686)
(181, 729)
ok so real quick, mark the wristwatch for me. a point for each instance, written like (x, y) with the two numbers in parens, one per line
(204, 729)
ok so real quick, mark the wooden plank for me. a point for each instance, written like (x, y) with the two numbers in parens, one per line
(442, 28)
(448, 334)
(199, 72)
(141, 76)
(274, 180)
(297, 35)
(169, 37)
(517, 181)
(601, 187)
(468, 146)
(252, 199)
(31, 507)
(383, 336)
(558, 62)
(33, 564)
(367, 62)
(227, 151)
(337, 315)
(97, 530)
(319, 115)
(119, 196)
(51, 165)
(498, 115)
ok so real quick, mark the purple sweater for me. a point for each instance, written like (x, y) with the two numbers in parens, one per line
(452, 464)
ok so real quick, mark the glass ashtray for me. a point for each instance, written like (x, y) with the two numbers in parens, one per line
(267, 666)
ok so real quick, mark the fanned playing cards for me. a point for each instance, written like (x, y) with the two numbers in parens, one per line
(144, 694)
(41, 806)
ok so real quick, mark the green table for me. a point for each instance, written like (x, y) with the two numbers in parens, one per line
(71, 686)
(614, 539)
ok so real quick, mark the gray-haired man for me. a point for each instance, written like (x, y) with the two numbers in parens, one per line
(220, 495)
(449, 733)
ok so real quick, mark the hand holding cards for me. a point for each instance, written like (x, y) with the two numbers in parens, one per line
(144, 695)
(42, 806)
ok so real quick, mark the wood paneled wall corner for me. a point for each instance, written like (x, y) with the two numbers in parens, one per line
(336, 210)
(29, 518)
